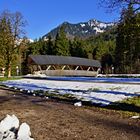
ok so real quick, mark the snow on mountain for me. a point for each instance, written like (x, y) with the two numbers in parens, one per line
(83, 25)
(98, 26)
(82, 29)
(19, 41)
(98, 30)
(30, 40)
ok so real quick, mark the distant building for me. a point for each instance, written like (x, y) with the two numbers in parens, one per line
(63, 65)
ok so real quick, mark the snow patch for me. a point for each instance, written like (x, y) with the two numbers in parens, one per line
(135, 117)
(102, 25)
(24, 132)
(8, 123)
(98, 30)
(9, 129)
(79, 104)
(101, 93)
(82, 25)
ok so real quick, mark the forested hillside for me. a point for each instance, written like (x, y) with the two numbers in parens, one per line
(81, 30)
(117, 47)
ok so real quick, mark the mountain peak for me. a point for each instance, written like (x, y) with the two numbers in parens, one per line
(65, 23)
(82, 29)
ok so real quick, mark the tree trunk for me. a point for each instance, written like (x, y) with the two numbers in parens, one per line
(9, 70)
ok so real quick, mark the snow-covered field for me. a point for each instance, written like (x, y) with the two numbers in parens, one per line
(104, 93)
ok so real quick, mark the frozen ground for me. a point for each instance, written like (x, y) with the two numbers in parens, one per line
(104, 93)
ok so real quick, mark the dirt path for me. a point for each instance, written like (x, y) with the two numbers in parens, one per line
(58, 121)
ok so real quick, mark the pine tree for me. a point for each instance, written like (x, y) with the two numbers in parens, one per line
(77, 48)
(42, 47)
(126, 41)
(10, 30)
(50, 46)
(61, 43)
(7, 50)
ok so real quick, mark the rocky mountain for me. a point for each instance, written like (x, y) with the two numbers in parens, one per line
(82, 29)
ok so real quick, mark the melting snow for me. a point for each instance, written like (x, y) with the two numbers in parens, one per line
(8, 123)
(82, 25)
(98, 30)
(78, 104)
(10, 130)
(102, 25)
(104, 93)
(24, 132)
(135, 117)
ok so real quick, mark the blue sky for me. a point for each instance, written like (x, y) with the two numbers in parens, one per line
(44, 15)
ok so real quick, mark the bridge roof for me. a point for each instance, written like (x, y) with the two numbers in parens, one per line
(62, 60)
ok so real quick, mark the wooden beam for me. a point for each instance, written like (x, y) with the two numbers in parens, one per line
(98, 70)
(48, 67)
(69, 67)
(39, 67)
(88, 69)
(63, 67)
(54, 67)
(92, 68)
(81, 67)
(77, 68)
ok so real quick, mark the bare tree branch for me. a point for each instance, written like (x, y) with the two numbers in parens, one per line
(112, 5)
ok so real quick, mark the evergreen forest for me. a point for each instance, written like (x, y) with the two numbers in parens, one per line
(118, 48)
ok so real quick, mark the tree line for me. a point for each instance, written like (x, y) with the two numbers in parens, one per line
(117, 49)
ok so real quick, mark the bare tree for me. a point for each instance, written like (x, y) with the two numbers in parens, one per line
(119, 4)
(13, 28)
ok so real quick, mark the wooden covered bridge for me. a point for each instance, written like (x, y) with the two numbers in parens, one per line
(63, 65)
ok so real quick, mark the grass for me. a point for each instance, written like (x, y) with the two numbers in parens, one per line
(60, 96)
(115, 88)
(129, 107)
(133, 101)
(6, 78)
(55, 95)
(93, 89)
